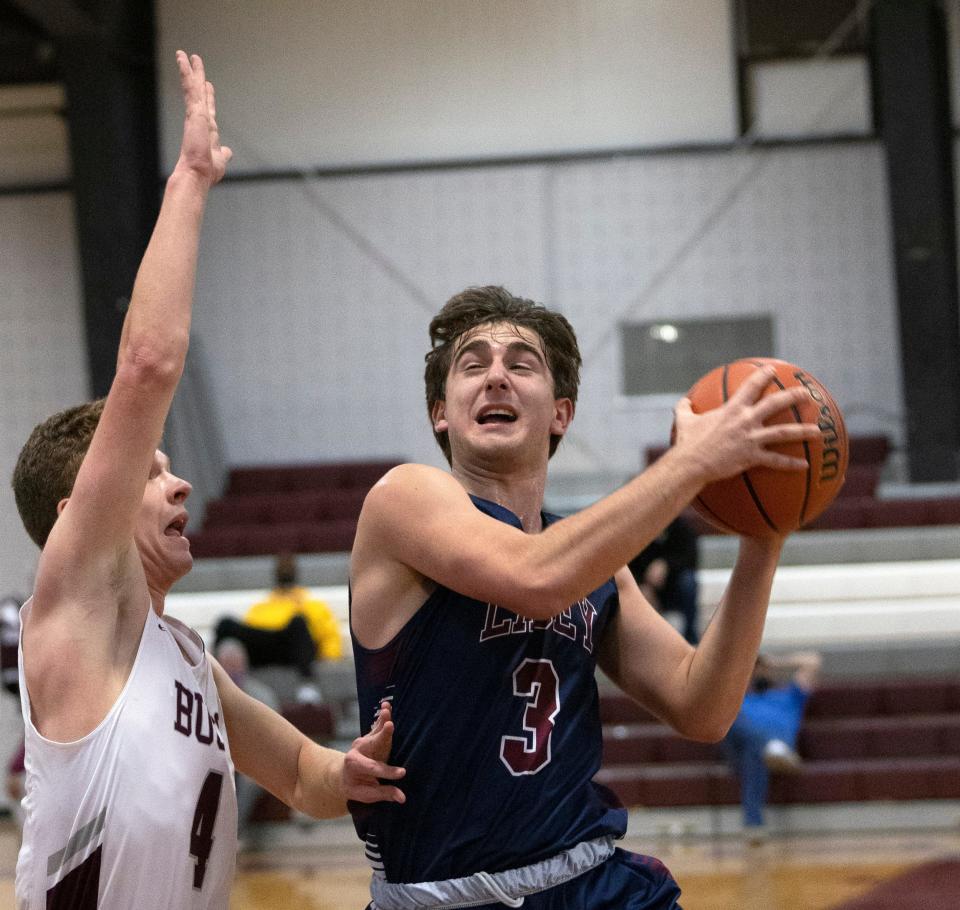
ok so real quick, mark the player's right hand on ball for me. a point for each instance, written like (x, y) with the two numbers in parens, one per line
(732, 438)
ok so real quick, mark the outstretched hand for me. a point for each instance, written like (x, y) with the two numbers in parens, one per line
(734, 437)
(200, 150)
(365, 764)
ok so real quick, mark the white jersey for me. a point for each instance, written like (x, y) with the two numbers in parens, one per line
(142, 811)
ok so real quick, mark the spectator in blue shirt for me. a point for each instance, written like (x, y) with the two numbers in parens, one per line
(763, 738)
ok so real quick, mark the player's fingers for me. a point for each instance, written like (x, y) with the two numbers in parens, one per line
(781, 400)
(211, 96)
(192, 87)
(183, 65)
(380, 769)
(384, 717)
(786, 432)
(683, 407)
(186, 75)
(196, 61)
(362, 765)
(379, 793)
(374, 746)
(374, 765)
(380, 733)
(752, 387)
(779, 461)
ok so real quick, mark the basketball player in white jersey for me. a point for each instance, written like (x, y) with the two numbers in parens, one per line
(132, 730)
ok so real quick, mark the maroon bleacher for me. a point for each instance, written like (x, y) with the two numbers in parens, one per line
(344, 475)
(861, 740)
(857, 505)
(269, 509)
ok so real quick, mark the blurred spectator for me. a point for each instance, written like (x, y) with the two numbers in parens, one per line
(763, 738)
(232, 656)
(290, 646)
(288, 600)
(288, 629)
(666, 572)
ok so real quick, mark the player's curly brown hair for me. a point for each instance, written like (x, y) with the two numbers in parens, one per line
(481, 305)
(48, 464)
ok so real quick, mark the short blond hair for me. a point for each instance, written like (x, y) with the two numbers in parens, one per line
(48, 463)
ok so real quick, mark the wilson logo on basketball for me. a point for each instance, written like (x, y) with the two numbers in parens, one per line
(830, 459)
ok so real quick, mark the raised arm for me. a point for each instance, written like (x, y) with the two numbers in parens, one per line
(698, 690)
(92, 591)
(422, 519)
(94, 533)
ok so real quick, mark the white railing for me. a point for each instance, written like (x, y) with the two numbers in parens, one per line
(861, 603)
(857, 603)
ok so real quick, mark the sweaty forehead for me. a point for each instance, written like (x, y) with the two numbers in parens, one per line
(501, 333)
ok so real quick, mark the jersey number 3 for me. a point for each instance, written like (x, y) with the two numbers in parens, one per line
(204, 818)
(538, 683)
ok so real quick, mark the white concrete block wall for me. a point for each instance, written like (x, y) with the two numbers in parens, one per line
(328, 287)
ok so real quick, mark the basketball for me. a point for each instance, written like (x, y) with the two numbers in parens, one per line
(764, 502)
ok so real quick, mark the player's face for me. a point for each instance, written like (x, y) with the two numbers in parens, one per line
(500, 396)
(161, 523)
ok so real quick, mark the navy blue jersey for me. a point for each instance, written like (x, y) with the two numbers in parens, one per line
(497, 723)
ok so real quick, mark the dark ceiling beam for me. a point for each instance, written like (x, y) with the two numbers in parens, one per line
(58, 18)
(27, 54)
(912, 100)
(105, 59)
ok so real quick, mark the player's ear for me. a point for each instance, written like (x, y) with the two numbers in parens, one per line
(438, 416)
(62, 505)
(563, 409)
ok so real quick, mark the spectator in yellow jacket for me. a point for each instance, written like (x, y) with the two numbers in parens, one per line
(287, 600)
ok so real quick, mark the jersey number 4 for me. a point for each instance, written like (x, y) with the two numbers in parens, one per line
(204, 818)
(538, 683)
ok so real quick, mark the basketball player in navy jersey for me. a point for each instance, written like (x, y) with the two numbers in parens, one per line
(482, 620)
(131, 728)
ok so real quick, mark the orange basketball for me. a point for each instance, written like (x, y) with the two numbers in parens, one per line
(762, 502)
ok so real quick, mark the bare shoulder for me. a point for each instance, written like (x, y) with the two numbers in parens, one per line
(401, 497)
(408, 493)
(386, 588)
(410, 482)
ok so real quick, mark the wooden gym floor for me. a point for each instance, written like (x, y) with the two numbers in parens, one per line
(785, 873)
